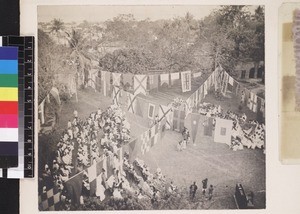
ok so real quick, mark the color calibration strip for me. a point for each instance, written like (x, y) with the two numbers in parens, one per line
(25, 45)
(9, 126)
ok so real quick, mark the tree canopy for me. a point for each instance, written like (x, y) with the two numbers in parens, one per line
(123, 44)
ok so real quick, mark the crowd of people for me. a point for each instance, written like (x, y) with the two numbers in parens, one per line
(245, 133)
(134, 187)
(103, 133)
(83, 143)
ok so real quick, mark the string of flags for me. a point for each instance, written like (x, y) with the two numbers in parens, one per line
(220, 79)
(140, 83)
(50, 200)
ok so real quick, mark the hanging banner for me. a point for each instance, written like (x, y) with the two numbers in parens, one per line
(105, 83)
(164, 79)
(140, 84)
(230, 80)
(243, 97)
(225, 83)
(213, 78)
(188, 108)
(253, 102)
(116, 95)
(131, 103)
(178, 120)
(223, 131)
(116, 79)
(198, 74)
(262, 106)
(201, 93)
(186, 82)
(208, 80)
(196, 98)
(205, 89)
(127, 80)
(174, 78)
(153, 81)
(166, 112)
(149, 138)
(54, 92)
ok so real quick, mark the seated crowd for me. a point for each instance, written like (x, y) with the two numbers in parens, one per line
(83, 143)
(248, 133)
(131, 186)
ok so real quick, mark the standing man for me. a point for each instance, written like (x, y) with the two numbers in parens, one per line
(210, 191)
(193, 189)
(204, 185)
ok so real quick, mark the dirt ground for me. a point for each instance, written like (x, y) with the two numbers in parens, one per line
(222, 166)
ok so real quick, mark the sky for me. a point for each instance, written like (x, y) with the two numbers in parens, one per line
(103, 13)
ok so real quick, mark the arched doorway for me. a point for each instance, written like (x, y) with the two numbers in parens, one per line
(252, 73)
(260, 71)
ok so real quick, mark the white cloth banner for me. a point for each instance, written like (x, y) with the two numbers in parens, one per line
(205, 88)
(253, 102)
(230, 81)
(140, 84)
(223, 131)
(164, 78)
(116, 79)
(198, 74)
(175, 76)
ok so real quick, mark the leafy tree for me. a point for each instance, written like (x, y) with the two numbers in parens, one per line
(230, 35)
(50, 65)
(257, 51)
(127, 61)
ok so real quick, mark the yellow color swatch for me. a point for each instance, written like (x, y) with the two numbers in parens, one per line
(8, 94)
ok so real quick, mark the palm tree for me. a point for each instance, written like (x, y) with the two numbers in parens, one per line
(79, 55)
(56, 26)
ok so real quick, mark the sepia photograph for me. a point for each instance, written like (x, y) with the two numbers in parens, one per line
(151, 107)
